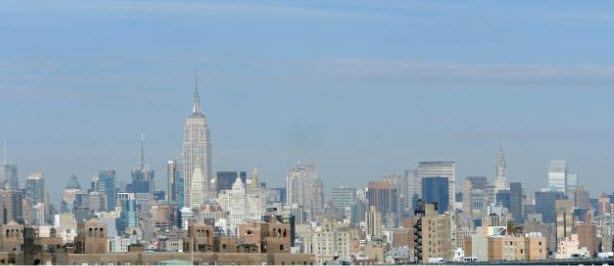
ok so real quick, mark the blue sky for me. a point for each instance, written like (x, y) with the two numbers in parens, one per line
(363, 88)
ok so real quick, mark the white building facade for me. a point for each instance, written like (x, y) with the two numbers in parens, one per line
(196, 149)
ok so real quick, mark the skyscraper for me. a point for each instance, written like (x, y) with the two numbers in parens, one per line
(467, 188)
(581, 198)
(35, 189)
(572, 182)
(174, 180)
(565, 219)
(343, 198)
(503, 198)
(305, 190)
(545, 204)
(440, 169)
(12, 207)
(435, 191)
(196, 149)
(105, 184)
(384, 195)
(8, 173)
(70, 192)
(516, 197)
(373, 223)
(142, 176)
(501, 182)
(142, 184)
(410, 190)
(557, 176)
(128, 216)
(603, 205)
(171, 179)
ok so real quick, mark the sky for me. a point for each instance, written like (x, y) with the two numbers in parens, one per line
(362, 88)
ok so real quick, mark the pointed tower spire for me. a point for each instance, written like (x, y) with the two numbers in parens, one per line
(500, 162)
(196, 108)
(73, 183)
(501, 181)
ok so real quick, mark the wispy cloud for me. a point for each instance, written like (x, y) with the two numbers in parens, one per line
(284, 10)
(378, 73)
(387, 69)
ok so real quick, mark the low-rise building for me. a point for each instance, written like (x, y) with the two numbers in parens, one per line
(436, 234)
(328, 241)
(529, 247)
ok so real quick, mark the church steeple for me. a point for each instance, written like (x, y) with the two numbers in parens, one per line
(196, 107)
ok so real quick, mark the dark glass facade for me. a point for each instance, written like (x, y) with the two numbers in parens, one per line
(516, 196)
(545, 203)
(435, 190)
(225, 179)
(106, 185)
(503, 198)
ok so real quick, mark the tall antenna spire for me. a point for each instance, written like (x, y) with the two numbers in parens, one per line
(5, 156)
(196, 108)
(196, 84)
(142, 151)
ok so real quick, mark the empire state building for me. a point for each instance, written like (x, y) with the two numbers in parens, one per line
(196, 152)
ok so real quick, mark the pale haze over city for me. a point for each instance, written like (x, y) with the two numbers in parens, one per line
(360, 89)
(364, 89)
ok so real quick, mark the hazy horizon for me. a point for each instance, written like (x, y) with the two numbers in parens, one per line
(363, 89)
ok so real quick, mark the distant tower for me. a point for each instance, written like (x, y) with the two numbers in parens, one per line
(142, 184)
(572, 182)
(255, 178)
(196, 149)
(175, 187)
(305, 190)
(105, 183)
(71, 190)
(557, 176)
(142, 176)
(8, 173)
(439, 169)
(35, 188)
(373, 223)
(501, 182)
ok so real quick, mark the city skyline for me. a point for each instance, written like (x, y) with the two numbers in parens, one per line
(195, 107)
(273, 132)
(410, 81)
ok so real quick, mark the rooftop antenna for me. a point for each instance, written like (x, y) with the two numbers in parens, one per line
(5, 156)
(196, 107)
(196, 82)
